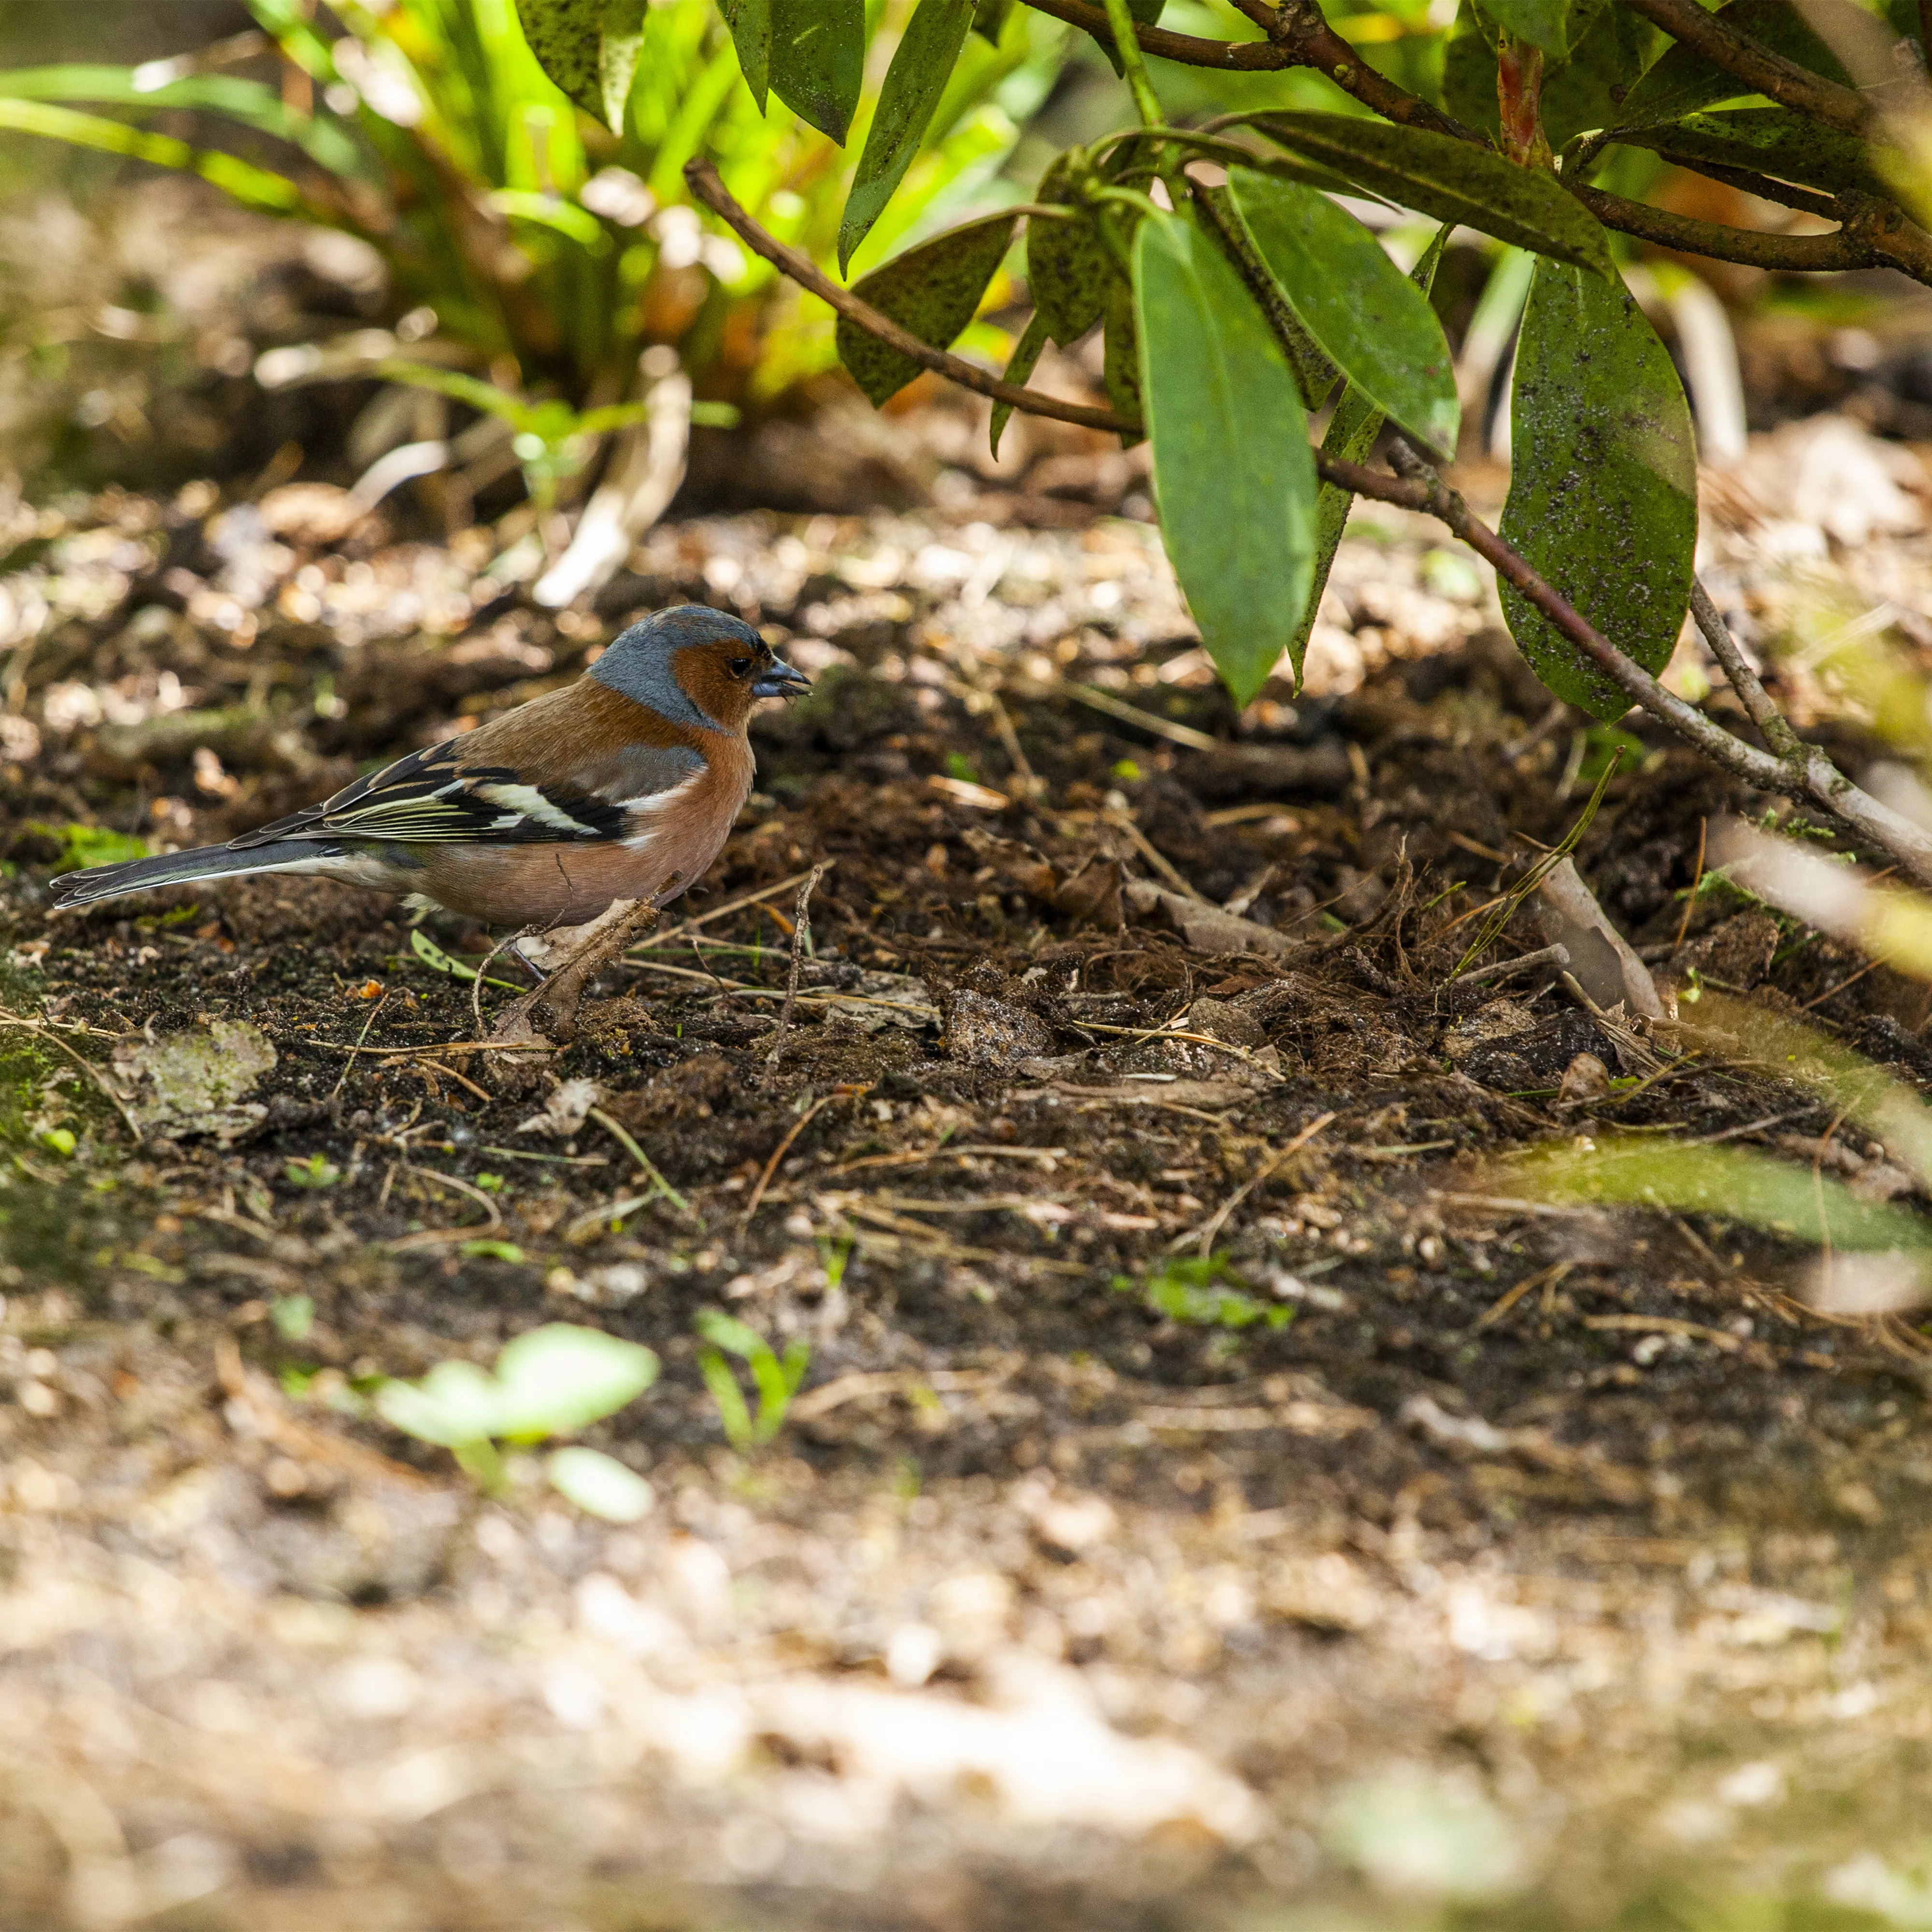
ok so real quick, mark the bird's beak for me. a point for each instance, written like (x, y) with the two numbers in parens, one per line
(780, 680)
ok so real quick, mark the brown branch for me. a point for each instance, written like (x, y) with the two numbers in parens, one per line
(1804, 254)
(701, 178)
(1766, 72)
(1298, 36)
(1786, 194)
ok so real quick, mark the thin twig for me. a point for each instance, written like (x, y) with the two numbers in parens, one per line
(460, 1186)
(1505, 969)
(801, 934)
(476, 984)
(349, 1064)
(1212, 1226)
(1696, 879)
(665, 934)
(1764, 714)
(645, 1165)
(702, 179)
(798, 1126)
(1132, 714)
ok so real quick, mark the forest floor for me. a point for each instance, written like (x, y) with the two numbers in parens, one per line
(1221, 1485)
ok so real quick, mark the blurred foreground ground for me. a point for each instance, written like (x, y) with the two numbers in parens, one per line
(1490, 1563)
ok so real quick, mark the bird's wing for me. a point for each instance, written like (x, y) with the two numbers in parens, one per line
(432, 797)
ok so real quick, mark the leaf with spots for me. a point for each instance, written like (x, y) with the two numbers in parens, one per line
(932, 291)
(1603, 491)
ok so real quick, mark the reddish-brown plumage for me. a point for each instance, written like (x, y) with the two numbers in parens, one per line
(623, 786)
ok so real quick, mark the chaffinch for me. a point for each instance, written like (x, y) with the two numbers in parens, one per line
(621, 786)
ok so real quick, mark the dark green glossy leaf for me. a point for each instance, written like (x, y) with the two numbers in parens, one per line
(589, 48)
(1469, 70)
(1232, 468)
(1450, 179)
(1603, 489)
(1352, 431)
(1026, 353)
(1371, 320)
(922, 65)
(1120, 361)
(933, 291)
(1551, 25)
(750, 24)
(1683, 82)
(1314, 373)
(1583, 91)
(1768, 141)
(818, 60)
(990, 17)
(1068, 268)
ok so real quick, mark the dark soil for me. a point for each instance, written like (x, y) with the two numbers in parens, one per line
(1090, 1581)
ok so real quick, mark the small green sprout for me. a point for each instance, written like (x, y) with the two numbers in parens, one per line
(293, 1315)
(494, 1251)
(776, 1379)
(1127, 772)
(958, 766)
(317, 1171)
(835, 1255)
(60, 1141)
(554, 1381)
(490, 1184)
(1187, 1289)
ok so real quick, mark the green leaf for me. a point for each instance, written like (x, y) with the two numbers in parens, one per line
(750, 21)
(1352, 431)
(1232, 468)
(1584, 90)
(320, 136)
(455, 1403)
(1469, 70)
(1069, 268)
(1739, 1183)
(1603, 489)
(1369, 317)
(933, 291)
(433, 956)
(989, 18)
(922, 65)
(599, 1485)
(1768, 141)
(818, 60)
(1314, 373)
(558, 1378)
(589, 48)
(1682, 81)
(1026, 353)
(1449, 179)
(1551, 25)
(1120, 360)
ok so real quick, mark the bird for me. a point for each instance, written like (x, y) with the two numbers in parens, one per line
(620, 787)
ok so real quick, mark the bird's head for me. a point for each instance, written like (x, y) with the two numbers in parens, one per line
(697, 666)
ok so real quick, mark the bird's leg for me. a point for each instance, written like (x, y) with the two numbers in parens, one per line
(599, 942)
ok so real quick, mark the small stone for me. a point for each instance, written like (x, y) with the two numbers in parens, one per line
(986, 1032)
(1222, 1019)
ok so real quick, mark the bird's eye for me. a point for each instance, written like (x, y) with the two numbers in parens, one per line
(741, 667)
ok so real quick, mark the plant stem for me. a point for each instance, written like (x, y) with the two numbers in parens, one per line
(702, 180)
(1133, 63)
(1764, 714)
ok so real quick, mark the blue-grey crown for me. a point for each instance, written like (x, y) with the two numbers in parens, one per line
(638, 663)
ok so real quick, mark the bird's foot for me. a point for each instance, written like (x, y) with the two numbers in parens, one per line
(575, 955)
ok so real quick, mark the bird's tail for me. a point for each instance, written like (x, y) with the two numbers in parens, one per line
(175, 868)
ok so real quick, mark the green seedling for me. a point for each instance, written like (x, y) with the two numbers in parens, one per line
(60, 1141)
(433, 956)
(490, 1184)
(834, 1255)
(293, 1315)
(491, 1251)
(776, 1379)
(1188, 1288)
(554, 1381)
(317, 1171)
